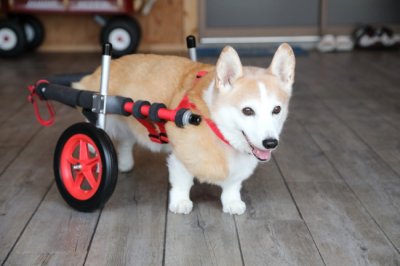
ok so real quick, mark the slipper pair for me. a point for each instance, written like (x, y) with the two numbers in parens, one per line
(330, 43)
(368, 37)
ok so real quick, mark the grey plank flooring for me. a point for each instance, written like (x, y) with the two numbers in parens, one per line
(56, 235)
(131, 227)
(25, 182)
(342, 229)
(330, 196)
(272, 232)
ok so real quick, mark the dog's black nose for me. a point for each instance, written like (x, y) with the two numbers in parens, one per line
(270, 143)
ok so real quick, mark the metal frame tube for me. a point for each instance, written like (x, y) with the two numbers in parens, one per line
(191, 45)
(105, 72)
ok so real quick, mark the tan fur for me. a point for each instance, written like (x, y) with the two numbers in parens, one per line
(197, 146)
(166, 79)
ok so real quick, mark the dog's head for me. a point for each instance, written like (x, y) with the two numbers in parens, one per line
(250, 104)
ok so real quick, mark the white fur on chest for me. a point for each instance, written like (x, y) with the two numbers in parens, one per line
(241, 167)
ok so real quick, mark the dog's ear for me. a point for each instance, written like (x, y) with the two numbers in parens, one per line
(228, 69)
(283, 64)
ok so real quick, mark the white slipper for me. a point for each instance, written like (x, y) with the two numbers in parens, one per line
(326, 44)
(344, 43)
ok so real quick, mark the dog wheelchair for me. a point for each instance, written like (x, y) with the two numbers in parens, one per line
(85, 161)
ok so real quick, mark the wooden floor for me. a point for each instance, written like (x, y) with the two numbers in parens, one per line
(329, 196)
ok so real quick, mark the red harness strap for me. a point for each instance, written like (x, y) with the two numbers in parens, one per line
(50, 108)
(154, 135)
(156, 129)
(186, 103)
(216, 130)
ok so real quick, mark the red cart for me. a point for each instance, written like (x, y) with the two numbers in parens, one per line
(20, 30)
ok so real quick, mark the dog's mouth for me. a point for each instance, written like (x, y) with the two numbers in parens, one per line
(260, 154)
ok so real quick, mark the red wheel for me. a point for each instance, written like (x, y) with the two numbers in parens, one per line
(81, 167)
(85, 167)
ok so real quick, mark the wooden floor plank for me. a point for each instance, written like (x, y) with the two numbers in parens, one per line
(16, 75)
(368, 164)
(56, 235)
(25, 182)
(19, 127)
(376, 91)
(206, 236)
(271, 232)
(25, 163)
(383, 139)
(132, 226)
(368, 175)
(372, 118)
(341, 227)
(380, 83)
(10, 101)
(16, 132)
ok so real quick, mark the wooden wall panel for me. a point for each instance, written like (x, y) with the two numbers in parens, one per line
(70, 33)
(163, 30)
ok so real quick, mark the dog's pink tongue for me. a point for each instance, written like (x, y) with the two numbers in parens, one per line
(263, 155)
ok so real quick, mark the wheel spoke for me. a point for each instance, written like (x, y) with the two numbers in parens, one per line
(79, 179)
(90, 163)
(83, 150)
(91, 179)
(72, 160)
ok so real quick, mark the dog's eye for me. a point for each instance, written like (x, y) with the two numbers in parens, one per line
(247, 111)
(277, 110)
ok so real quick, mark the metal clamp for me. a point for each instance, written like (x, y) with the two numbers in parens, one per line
(99, 105)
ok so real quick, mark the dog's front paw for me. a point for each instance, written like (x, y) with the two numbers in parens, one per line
(234, 207)
(182, 206)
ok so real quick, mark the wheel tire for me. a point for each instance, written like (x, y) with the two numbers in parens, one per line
(85, 167)
(34, 31)
(12, 38)
(123, 33)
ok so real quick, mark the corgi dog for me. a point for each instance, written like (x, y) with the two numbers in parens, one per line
(245, 107)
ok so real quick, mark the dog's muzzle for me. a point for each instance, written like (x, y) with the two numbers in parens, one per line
(261, 154)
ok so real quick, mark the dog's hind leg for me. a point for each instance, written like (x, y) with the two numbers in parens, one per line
(125, 154)
(125, 141)
(181, 182)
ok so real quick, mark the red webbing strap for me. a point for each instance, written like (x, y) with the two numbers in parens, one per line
(50, 108)
(186, 103)
(201, 74)
(216, 130)
(163, 133)
(153, 133)
(160, 135)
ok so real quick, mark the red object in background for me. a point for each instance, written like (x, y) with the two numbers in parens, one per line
(21, 31)
(68, 6)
